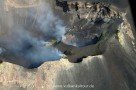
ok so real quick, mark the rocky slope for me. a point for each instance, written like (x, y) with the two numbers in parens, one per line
(113, 70)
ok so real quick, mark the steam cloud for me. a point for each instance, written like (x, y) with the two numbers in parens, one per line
(26, 33)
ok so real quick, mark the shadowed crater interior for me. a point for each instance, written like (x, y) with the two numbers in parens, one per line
(34, 32)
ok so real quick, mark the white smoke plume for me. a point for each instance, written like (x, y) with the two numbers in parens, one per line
(24, 33)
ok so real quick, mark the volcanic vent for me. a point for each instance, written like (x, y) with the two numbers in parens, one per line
(35, 32)
(89, 27)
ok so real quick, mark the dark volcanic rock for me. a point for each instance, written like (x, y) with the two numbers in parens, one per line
(98, 22)
(89, 22)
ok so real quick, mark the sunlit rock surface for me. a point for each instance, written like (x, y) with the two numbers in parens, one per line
(113, 70)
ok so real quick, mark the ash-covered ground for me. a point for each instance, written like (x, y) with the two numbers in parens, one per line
(109, 62)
